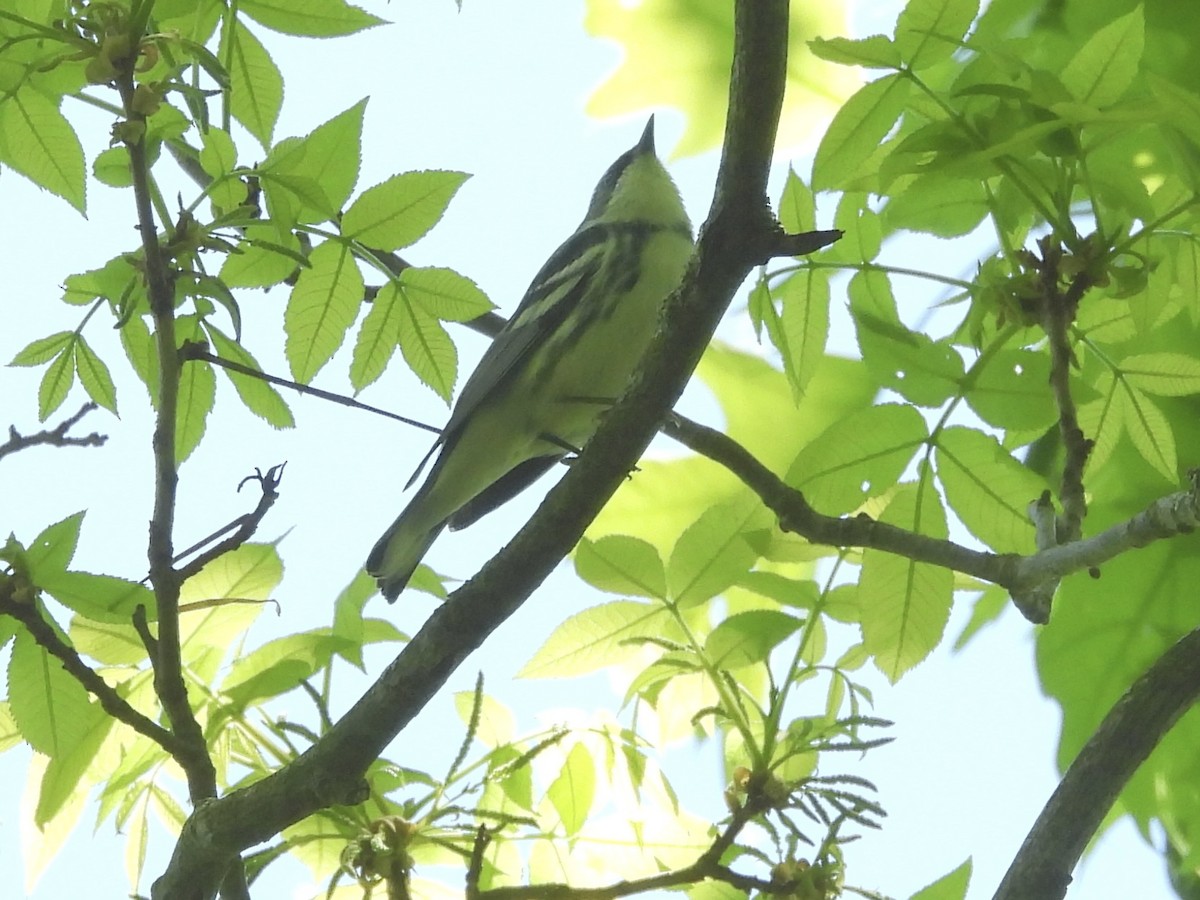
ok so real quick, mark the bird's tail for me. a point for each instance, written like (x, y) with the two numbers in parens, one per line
(397, 554)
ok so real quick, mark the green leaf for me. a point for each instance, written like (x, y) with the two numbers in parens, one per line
(322, 307)
(256, 95)
(43, 349)
(111, 167)
(142, 354)
(264, 258)
(922, 370)
(56, 383)
(279, 666)
(109, 643)
(938, 204)
(988, 489)
(497, 725)
(320, 169)
(103, 598)
(348, 616)
(797, 206)
(1101, 420)
(218, 153)
(310, 18)
(1103, 69)
(94, 376)
(51, 551)
(428, 350)
(1150, 431)
(930, 31)
(402, 209)
(804, 326)
(137, 831)
(68, 770)
(857, 130)
(260, 397)
(445, 293)
(117, 281)
(905, 604)
(598, 637)
(620, 564)
(197, 393)
(37, 141)
(863, 227)
(293, 198)
(876, 51)
(858, 457)
(50, 707)
(949, 887)
(987, 608)
(378, 336)
(712, 553)
(1011, 391)
(10, 735)
(1163, 374)
(747, 638)
(574, 790)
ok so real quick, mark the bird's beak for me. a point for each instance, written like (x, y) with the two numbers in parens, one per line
(646, 144)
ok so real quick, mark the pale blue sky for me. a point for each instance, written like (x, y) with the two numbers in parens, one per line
(497, 91)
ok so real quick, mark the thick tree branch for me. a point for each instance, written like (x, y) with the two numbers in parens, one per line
(740, 232)
(54, 437)
(1131, 730)
(1024, 577)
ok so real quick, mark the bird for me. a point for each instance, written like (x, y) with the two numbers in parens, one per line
(563, 357)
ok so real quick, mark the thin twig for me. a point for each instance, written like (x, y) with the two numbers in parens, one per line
(245, 525)
(192, 350)
(54, 437)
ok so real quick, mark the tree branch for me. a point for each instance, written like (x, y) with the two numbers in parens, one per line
(1131, 730)
(1024, 577)
(740, 232)
(112, 703)
(1058, 312)
(707, 866)
(168, 666)
(55, 437)
(245, 525)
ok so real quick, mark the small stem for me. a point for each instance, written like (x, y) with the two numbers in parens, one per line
(55, 437)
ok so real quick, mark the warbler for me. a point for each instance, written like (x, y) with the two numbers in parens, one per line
(564, 356)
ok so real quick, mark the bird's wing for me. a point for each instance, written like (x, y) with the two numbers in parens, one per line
(501, 491)
(556, 289)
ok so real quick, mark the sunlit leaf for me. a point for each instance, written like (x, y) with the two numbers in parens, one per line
(597, 637)
(322, 307)
(574, 789)
(905, 604)
(621, 564)
(402, 209)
